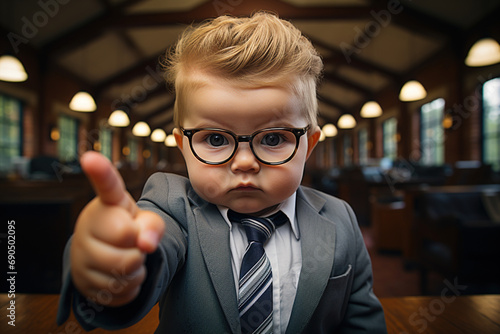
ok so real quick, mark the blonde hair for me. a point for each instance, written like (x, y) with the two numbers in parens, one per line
(254, 51)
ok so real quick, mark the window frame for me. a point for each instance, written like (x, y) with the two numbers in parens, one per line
(106, 141)
(133, 145)
(493, 136)
(363, 146)
(62, 152)
(347, 150)
(432, 146)
(18, 144)
(393, 154)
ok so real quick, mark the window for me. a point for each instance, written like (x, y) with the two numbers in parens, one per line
(432, 133)
(105, 139)
(134, 147)
(68, 142)
(390, 138)
(10, 132)
(363, 146)
(491, 123)
(347, 150)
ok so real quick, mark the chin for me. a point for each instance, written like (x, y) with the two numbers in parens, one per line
(250, 208)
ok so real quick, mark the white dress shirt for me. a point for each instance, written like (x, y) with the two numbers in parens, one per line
(284, 253)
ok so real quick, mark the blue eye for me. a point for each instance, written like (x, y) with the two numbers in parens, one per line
(272, 139)
(217, 139)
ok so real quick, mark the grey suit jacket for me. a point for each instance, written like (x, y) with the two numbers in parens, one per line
(191, 276)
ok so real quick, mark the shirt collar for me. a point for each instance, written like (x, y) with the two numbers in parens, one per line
(287, 206)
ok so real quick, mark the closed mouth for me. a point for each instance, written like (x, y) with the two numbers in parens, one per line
(246, 187)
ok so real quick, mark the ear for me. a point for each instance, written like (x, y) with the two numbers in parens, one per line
(312, 140)
(178, 137)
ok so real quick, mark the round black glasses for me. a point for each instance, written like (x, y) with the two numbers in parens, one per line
(271, 146)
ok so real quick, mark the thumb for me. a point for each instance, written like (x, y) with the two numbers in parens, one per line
(106, 181)
(151, 229)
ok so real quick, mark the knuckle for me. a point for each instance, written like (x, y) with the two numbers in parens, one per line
(115, 226)
(131, 262)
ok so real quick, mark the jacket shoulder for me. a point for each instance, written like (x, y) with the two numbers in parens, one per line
(328, 206)
(167, 193)
(316, 197)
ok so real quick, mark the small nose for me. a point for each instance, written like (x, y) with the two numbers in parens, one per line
(244, 160)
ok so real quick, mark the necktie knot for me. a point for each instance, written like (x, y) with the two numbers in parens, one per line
(258, 229)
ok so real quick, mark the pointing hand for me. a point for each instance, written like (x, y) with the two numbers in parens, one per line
(112, 236)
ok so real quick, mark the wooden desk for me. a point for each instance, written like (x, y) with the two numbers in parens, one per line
(37, 314)
(439, 315)
(443, 315)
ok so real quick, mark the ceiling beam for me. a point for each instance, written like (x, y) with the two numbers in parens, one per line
(334, 78)
(207, 9)
(338, 58)
(114, 17)
(130, 43)
(165, 124)
(332, 103)
(409, 17)
(83, 34)
(145, 68)
(159, 90)
(217, 8)
(150, 94)
(160, 110)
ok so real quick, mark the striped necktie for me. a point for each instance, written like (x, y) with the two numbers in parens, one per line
(255, 294)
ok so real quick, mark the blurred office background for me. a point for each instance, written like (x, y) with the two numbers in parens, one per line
(420, 165)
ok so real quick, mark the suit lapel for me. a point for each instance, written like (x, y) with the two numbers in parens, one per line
(317, 236)
(317, 244)
(213, 234)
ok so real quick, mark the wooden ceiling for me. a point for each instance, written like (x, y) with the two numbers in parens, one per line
(112, 46)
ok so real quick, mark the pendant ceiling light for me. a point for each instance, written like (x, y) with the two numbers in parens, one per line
(371, 109)
(170, 141)
(329, 130)
(412, 91)
(346, 121)
(82, 101)
(158, 136)
(11, 69)
(118, 118)
(141, 129)
(484, 52)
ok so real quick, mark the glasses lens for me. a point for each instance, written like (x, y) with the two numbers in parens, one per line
(274, 145)
(213, 146)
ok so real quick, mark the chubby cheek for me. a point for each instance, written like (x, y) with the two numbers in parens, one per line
(205, 179)
(210, 182)
(283, 181)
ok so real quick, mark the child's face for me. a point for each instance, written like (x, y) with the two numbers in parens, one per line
(244, 184)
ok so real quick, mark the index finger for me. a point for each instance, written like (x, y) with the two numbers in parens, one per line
(106, 181)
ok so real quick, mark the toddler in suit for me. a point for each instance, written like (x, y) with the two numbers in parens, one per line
(245, 122)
